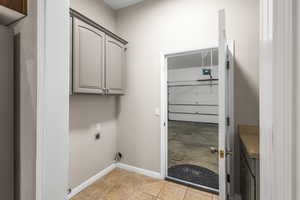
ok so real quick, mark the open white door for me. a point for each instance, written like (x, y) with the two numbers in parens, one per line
(225, 108)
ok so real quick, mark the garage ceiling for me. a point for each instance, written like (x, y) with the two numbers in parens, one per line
(117, 4)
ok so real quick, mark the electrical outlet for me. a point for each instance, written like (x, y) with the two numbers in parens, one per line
(97, 136)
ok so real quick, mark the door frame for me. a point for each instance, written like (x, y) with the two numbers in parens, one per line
(164, 106)
(52, 107)
(232, 139)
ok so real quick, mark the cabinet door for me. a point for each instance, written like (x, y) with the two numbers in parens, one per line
(88, 58)
(115, 66)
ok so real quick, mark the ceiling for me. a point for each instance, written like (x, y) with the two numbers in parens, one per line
(202, 58)
(185, 61)
(117, 4)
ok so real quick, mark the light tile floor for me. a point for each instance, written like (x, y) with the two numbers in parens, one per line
(124, 185)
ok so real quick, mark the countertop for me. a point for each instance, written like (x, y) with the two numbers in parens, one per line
(250, 137)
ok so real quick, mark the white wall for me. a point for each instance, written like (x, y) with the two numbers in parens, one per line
(27, 67)
(153, 27)
(87, 155)
(206, 94)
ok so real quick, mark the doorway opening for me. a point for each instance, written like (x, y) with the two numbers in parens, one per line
(198, 116)
(192, 118)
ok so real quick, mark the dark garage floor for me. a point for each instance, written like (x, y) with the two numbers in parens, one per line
(190, 142)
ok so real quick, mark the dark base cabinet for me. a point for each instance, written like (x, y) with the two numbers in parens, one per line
(249, 180)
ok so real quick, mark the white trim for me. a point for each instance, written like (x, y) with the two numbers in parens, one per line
(223, 105)
(52, 113)
(107, 170)
(164, 103)
(233, 138)
(276, 101)
(145, 172)
(40, 89)
(163, 116)
(91, 180)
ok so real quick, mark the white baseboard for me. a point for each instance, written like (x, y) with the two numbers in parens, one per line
(145, 172)
(91, 180)
(105, 171)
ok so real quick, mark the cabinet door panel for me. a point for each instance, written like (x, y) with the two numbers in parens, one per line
(88, 58)
(115, 64)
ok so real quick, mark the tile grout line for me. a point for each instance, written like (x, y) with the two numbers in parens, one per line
(155, 197)
(185, 193)
(161, 189)
(150, 195)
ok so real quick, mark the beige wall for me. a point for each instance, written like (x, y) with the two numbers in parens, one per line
(26, 109)
(87, 155)
(297, 99)
(151, 28)
(155, 26)
(6, 114)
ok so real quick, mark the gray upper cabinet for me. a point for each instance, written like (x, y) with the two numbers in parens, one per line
(115, 66)
(98, 60)
(88, 58)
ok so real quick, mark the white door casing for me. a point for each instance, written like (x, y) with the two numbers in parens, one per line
(232, 138)
(226, 107)
(227, 101)
(226, 98)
